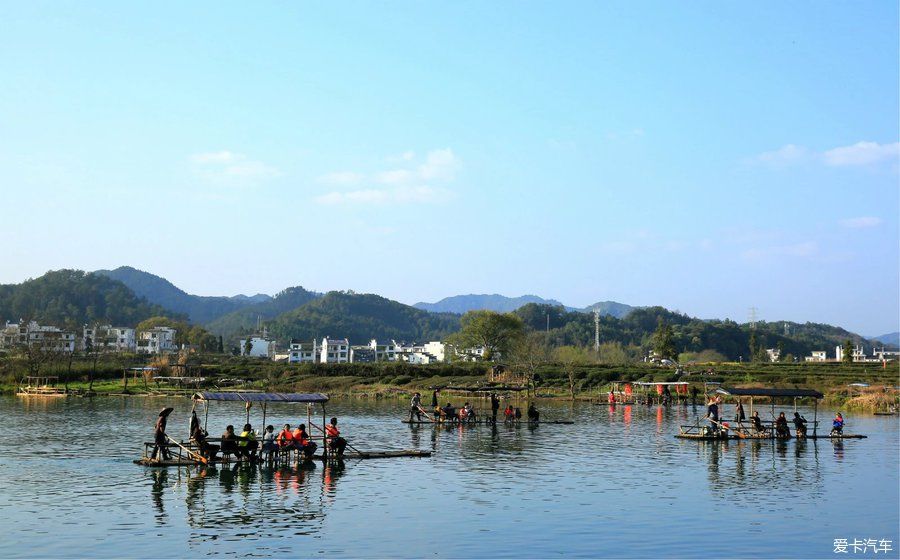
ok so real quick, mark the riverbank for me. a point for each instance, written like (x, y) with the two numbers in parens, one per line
(115, 376)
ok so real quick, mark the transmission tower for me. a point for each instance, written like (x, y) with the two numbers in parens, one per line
(596, 331)
(787, 329)
(753, 318)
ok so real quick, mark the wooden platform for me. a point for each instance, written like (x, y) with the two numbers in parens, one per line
(143, 461)
(485, 422)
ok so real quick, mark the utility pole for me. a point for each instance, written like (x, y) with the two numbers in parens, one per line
(548, 322)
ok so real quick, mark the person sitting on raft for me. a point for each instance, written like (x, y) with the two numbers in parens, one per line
(517, 414)
(268, 441)
(207, 450)
(611, 398)
(463, 414)
(799, 425)
(837, 425)
(533, 414)
(781, 427)
(303, 443)
(756, 422)
(470, 412)
(285, 438)
(247, 442)
(448, 413)
(336, 442)
(230, 442)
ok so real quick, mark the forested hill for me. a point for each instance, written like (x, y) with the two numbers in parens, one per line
(72, 298)
(199, 309)
(244, 320)
(361, 317)
(473, 302)
(692, 336)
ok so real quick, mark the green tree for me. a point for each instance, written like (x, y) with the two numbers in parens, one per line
(220, 347)
(248, 345)
(664, 341)
(571, 358)
(847, 356)
(497, 333)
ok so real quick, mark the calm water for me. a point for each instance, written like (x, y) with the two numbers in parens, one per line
(616, 484)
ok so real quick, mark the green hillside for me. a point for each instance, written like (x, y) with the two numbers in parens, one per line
(72, 298)
(244, 320)
(361, 317)
(199, 309)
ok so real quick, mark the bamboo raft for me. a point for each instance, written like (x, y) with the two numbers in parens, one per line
(481, 422)
(722, 437)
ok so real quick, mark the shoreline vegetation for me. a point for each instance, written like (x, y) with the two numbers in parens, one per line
(114, 375)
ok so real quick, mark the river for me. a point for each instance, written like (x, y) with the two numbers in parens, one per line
(614, 484)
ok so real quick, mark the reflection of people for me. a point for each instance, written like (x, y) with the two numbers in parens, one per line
(533, 414)
(160, 446)
(837, 425)
(781, 427)
(799, 425)
(337, 443)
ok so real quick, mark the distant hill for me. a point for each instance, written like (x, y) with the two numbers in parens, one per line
(473, 302)
(890, 338)
(612, 308)
(72, 298)
(199, 309)
(361, 317)
(244, 320)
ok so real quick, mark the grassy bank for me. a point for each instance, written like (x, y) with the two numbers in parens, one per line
(385, 379)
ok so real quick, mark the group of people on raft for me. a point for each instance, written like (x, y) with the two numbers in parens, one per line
(466, 413)
(246, 446)
(781, 426)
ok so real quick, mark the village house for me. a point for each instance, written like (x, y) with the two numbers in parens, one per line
(106, 338)
(158, 340)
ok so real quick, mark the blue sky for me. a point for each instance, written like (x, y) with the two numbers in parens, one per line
(704, 156)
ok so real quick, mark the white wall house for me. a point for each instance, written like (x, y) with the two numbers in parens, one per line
(259, 347)
(362, 354)
(385, 351)
(158, 340)
(774, 354)
(47, 337)
(817, 356)
(334, 351)
(859, 355)
(882, 355)
(107, 338)
(303, 352)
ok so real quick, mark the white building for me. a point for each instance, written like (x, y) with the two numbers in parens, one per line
(427, 353)
(883, 355)
(303, 352)
(334, 351)
(384, 352)
(774, 354)
(859, 355)
(157, 340)
(106, 338)
(32, 334)
(362, 354)
(260, 347)
(817, 356)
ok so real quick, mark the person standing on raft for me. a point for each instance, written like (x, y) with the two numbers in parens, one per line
(415, 407)
(495, 406)
(160, 445)
(712, 412)
(533, 414)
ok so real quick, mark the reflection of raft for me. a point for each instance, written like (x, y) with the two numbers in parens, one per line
(185, 462)
(700, 437)
(885, 413)
(479, 422)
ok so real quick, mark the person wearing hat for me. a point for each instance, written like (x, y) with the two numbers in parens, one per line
(415, 407)
(159, 436)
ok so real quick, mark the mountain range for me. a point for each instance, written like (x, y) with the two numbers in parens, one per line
(126, 296)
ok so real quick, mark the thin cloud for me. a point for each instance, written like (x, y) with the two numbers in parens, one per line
(861, 222)
(857, 155)
(227, 166)
(862, 153)
(400, 195)
(805, 249)
(411, 184)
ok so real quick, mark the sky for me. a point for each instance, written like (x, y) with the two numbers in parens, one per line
(708, 157)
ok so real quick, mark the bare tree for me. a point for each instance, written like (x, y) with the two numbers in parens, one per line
(570, 358)
(527, 355)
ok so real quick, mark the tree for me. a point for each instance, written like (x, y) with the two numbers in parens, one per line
(570, 358)
(220, 347)
(847, 354)
(663, 341)
(613, 353)
(497, 333)
(527, 354)
(248, 345)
